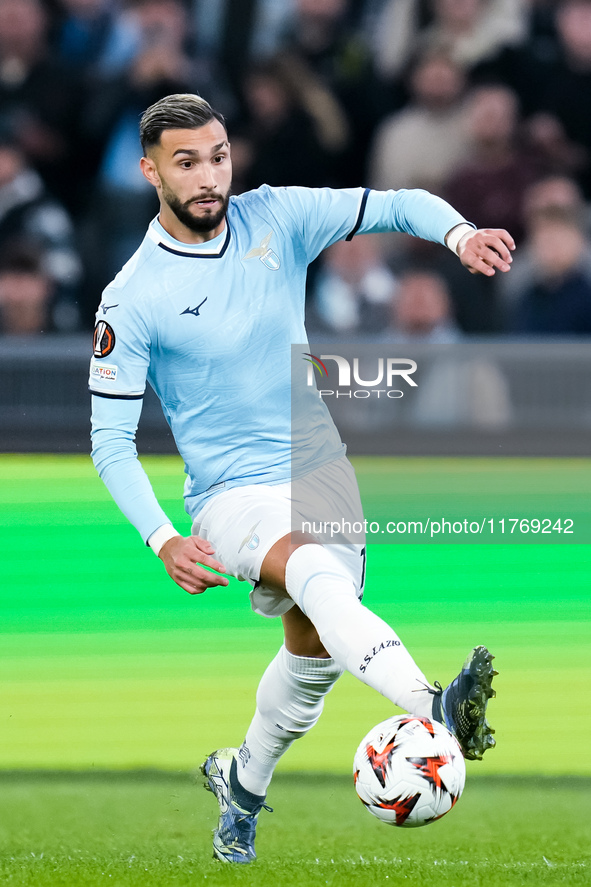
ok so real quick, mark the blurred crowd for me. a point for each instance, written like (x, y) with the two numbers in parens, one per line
(484, 102)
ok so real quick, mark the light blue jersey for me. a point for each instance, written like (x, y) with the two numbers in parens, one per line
(210, 327)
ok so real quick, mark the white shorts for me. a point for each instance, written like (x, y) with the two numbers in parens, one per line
(244, 523)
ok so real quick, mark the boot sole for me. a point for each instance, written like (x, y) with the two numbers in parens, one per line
(481, 670)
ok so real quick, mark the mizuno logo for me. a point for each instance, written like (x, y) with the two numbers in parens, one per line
(108, 307)
(194, 311)
(268, 257)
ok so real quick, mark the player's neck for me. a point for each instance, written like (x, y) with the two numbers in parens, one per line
(173, 226)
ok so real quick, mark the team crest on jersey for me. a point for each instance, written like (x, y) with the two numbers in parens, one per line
(267, 256)
(104, 339)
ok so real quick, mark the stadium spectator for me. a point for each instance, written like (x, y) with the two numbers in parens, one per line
(455, 389)
(526, 66)
(470, 31)
(30, 216)
(438, 141)
(421, 311)
(353, 288)
(159, 59)
(239, 33)
(496, 172)
(541, 27)
(474, 298)
(285, 142)
(162, 63)
(39, 97)
(557, 301)
(334, 64)
(85, 33)
(568, 92)
(26, 294)
(553, 80)
(556, 192)
(551, 194)
(420, 145)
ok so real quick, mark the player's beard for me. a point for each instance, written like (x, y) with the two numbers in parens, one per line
(203, 224)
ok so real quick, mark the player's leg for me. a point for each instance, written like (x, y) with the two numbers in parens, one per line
(363, 644)
(320, 584)
(291, 692)
(289, 701)
(358, 640)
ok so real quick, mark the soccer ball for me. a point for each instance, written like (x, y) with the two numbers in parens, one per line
(409, 771)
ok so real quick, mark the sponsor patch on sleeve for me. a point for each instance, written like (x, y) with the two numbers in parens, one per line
(103, 372)
(104, 339)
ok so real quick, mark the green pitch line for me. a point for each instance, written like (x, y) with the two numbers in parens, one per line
(104, 662)
(134, 830)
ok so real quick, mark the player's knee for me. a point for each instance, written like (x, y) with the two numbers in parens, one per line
(310, 562)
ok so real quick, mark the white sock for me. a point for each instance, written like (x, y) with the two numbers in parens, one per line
(290, 698)
(357, 639)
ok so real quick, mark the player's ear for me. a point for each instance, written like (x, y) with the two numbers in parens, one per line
(148, 168)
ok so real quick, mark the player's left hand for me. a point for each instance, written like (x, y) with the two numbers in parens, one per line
(486, 250)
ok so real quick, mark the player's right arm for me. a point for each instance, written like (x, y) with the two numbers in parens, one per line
(182, 557)
(118, 372)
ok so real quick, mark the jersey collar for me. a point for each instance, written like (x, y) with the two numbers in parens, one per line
(213, 249)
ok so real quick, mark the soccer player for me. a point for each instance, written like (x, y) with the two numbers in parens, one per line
(206, 310)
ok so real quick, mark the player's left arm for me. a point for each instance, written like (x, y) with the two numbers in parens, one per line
(323, 216)
(421, 214)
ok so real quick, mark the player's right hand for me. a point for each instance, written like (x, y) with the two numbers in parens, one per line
(185, 560)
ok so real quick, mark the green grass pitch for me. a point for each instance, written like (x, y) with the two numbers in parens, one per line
(142, 830)
(106, 666)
